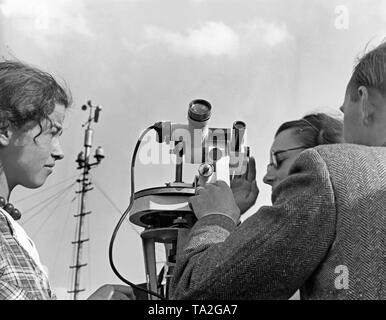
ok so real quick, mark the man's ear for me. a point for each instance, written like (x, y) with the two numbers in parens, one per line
(367, 108)
(5, 136)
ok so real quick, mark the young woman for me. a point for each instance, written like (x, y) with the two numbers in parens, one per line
(290, 140)
(296, 136)
(32, 111)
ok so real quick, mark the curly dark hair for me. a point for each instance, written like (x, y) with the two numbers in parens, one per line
(28, 95)
(316, 129)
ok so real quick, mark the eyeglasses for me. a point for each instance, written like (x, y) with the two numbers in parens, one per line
(274, 160)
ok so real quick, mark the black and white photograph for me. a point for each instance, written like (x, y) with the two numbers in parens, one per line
(201, 150)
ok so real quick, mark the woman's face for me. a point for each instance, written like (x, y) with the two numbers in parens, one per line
(278, 168)
(28, 159)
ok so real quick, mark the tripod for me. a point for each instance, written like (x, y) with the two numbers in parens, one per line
(164, 212)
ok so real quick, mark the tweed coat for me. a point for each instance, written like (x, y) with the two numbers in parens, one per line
(325, 234)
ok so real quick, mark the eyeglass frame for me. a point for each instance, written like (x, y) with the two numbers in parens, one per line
(273, 155)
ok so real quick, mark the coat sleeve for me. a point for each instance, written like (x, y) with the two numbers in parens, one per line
(271, 254)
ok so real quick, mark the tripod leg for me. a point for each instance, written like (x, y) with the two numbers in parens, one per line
(172, 250)
(150, 265)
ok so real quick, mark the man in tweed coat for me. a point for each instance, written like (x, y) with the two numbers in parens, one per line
(326, 230)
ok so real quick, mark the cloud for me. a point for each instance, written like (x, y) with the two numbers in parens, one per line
(216, 38)
(262, 33)
(212, 38)
(47, 17)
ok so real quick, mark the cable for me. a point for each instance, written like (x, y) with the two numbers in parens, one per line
(118, 210)
(45, 189)
(123, 217)
(49, 200)
(53, 211)
(112, 203)
(60, 243)
(73, 260)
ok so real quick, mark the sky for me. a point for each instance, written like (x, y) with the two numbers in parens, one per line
(263, 62)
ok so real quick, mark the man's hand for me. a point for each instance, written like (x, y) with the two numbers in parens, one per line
(245, 189)
(215, 198)
(113, 292)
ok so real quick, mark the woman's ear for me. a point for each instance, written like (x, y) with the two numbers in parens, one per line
(5, 137)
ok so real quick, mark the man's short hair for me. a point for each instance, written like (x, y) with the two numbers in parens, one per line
(370, 72)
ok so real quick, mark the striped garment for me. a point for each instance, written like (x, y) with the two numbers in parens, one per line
(20, 276)
(325, 234)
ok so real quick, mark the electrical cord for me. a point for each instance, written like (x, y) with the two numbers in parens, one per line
(156, 127)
